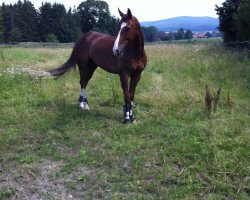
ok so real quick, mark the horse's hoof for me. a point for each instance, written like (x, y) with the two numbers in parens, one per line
(132, 119)
(126, 121)
(84, 106)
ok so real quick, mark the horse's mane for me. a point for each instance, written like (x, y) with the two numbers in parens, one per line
(140, 37)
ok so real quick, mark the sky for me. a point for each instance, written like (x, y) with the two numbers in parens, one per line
(148, 10)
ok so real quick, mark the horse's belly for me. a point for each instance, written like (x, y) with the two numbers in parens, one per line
(106, 61)
(109, 67)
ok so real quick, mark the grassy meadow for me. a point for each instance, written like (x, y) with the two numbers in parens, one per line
(51, 149)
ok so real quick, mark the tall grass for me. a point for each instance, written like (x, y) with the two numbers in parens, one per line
(172, 151)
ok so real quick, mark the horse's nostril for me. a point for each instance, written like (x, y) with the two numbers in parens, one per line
(117, 52)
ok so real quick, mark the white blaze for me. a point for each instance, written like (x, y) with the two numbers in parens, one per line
(116, 44)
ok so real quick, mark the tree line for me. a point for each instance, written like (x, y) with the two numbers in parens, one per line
(21, 22)
(234, 20)
(152, 34)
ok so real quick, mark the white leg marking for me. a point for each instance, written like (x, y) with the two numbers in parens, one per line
(83, 93)
(127, 115)
(84, 105)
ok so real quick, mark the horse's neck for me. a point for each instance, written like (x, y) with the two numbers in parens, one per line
(138, 44)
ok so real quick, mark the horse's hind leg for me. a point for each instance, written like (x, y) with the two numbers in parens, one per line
(86, 71)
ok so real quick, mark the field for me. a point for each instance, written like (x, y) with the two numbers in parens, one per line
(177, 149)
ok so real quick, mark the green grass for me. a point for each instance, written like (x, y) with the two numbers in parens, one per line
(49, 148)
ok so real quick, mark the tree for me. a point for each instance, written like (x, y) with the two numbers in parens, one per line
(106, 24)
(59, 22)
(51, 38)
(216, 34)
(170, 36)
(15, 35)
(8, 21)
(73, 21)
(189, 35)
(21, 22)
(180, 34)
(1, 26)
(243, 21)
(53, 19)
(227, 22)
(26, 21)
(163, 36)
(111, 25)
(45, 21)
(150, 33)
(90, 12)
(95, 15)
(234, 18)
(208, 34)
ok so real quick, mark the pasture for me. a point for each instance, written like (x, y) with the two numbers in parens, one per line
(51, 149)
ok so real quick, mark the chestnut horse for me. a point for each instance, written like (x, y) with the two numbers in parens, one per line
(123, 55)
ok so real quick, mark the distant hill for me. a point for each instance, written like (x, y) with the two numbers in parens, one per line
(196, 24)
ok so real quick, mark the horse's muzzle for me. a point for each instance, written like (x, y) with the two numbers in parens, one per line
(117, 52)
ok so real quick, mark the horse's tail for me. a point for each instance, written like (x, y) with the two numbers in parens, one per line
(66, 67)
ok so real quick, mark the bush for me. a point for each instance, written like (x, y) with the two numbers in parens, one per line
(51, 38)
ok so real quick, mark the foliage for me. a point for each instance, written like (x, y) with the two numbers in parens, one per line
(25, 21)
(243, 21)
(180, 35)
(234, 20)
(8, 22)
(59, 23)
(208, 35)
(189, 35)
(51, 38)
(170, 36)
(216, 34)
(96, 15)
(15, 35)
(162, 36)
(20, 19)
(73, 22)
(1, 26)
(31, 25)
(54, 19)
(150, 33)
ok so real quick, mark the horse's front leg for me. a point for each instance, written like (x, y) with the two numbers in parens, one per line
(127, 106)
(134, 79)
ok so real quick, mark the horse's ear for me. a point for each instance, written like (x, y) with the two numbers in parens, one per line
(121, 13)
(129, 14)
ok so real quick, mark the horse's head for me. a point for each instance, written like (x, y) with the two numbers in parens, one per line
(128, 27)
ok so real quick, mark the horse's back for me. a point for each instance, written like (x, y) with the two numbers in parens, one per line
(96, 47)
(93, 38)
